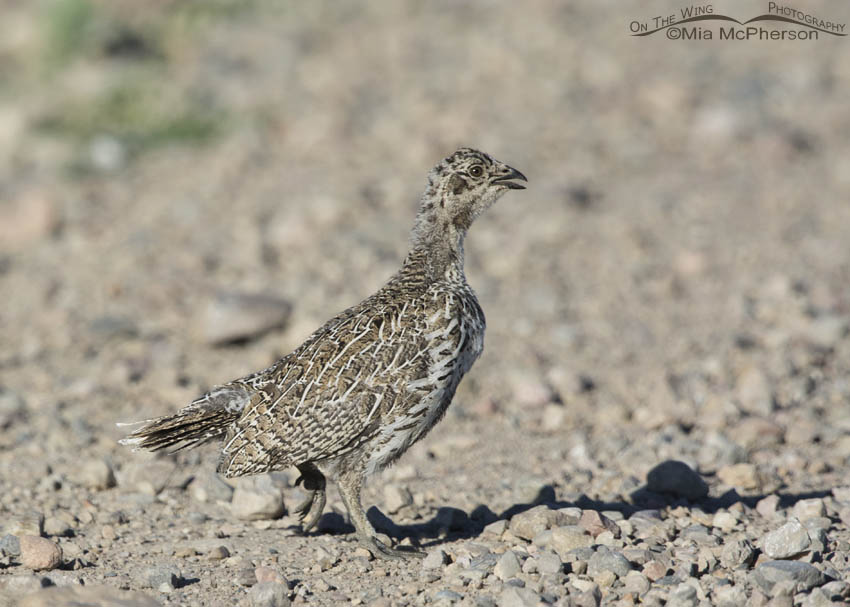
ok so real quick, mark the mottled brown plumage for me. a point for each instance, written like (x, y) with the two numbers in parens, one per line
(375, 378)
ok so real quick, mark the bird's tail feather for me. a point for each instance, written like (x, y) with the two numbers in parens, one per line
(206, 418)
(183, 430)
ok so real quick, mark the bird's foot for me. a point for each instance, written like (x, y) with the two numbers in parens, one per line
(310, 510)
(381, 550)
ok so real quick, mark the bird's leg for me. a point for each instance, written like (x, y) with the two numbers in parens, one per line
(311, 508)
(350, 484)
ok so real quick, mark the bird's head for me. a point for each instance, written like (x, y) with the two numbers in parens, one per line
(460, 188)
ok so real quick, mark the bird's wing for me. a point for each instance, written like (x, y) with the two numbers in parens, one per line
(330, 395)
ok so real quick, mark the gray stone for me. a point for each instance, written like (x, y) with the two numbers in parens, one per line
(591, 597)
(531, 522)
(569, 537)
(676, 478)
(636, 583)
(803, 575)
(699, 534)
(729, 596)
(10, 545)
(605, 559)
(809, 509)
(496, 528)
(156, 576)
(447, 595)
(548, 563)
(513, 596)
(508, 566)
(435, 559)
(269, 594)
(231, 316)
(818, 598)
(684, 595)
(210, 487)
(789, 540)
(837, 590)
(737, 554)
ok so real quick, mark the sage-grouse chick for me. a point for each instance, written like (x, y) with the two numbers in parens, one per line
(374, 379)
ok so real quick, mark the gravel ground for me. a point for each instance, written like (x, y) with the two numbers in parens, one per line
(662, 411)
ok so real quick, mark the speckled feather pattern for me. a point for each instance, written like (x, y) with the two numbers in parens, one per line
(369, 368)
(375, 378)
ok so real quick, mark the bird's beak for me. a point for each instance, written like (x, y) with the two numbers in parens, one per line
(505, 177)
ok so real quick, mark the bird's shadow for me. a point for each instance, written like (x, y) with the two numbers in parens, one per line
(450, 524)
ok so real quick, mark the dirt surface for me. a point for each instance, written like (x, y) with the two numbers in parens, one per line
(674, 285)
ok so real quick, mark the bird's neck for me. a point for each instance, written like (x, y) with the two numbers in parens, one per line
(439, 252)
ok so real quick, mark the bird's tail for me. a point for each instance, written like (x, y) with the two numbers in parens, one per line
(204, 419)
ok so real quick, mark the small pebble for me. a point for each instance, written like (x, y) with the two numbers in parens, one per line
(742, 476)
(435, 559)
(218, 553)
(508, 566)
(269, 594)
(94, 474)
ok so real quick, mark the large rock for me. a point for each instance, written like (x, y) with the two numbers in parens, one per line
(803, 575)
(531, 522)
(676, 478)
(569, 537)
(38, 553)
(254, 502)
(789, 540)
(605, 559)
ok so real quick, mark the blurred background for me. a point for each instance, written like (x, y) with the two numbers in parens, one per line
(189, 188)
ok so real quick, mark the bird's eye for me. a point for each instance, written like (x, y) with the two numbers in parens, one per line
(476, 171)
